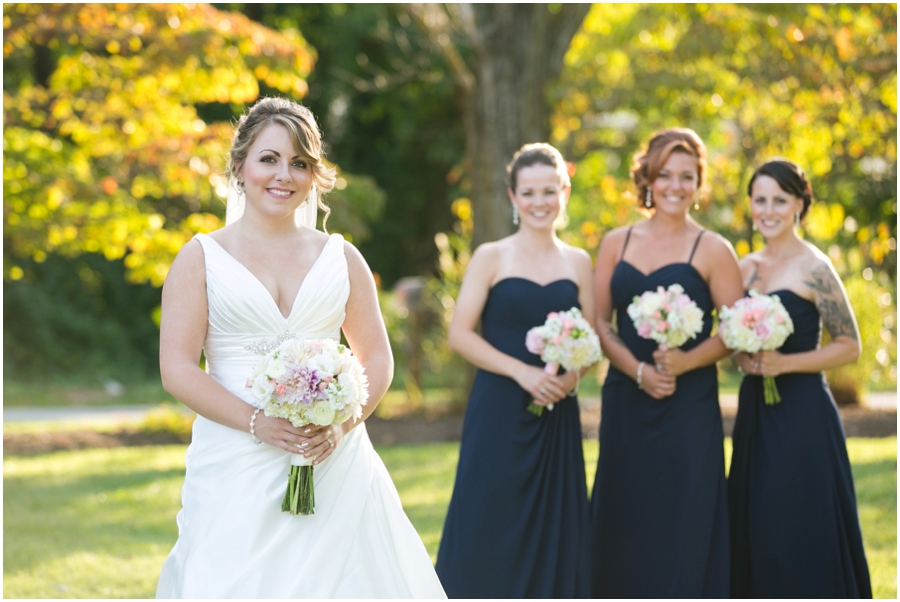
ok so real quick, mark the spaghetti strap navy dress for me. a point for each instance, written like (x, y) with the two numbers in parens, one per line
(794, 524)
(659, 513)
(517, 525)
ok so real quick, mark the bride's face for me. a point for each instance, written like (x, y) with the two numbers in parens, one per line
(276, 178)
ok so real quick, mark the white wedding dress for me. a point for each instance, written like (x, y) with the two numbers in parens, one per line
(233, 539)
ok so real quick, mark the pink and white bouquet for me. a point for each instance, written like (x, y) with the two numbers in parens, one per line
(566, 339)
(757, 323)
(317, 381)
(668, 316)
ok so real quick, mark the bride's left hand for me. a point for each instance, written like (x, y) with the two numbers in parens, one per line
(323, 443)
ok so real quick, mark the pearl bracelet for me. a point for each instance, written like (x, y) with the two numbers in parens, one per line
(640, 370)
(256, 439)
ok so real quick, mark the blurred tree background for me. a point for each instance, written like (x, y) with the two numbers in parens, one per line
(117, 120)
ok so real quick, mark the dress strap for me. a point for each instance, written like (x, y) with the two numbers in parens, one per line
(696, 242)
(627, 236)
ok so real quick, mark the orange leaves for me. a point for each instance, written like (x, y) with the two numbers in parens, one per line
(110, 146)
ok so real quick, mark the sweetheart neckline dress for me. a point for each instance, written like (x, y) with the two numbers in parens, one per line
(795, 529)
(517, 525)
(233, 539)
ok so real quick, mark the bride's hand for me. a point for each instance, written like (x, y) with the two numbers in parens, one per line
(327, 441)
(279, 432)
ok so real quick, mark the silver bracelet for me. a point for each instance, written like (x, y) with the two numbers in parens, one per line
(256, 439)
(639, 372)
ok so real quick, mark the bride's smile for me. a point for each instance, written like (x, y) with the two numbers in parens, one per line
(276, 179)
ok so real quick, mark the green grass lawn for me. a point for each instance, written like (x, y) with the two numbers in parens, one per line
(99, 523)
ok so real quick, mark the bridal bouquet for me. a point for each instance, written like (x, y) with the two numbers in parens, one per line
(668, 316)
(308, 382)
(757, 323)
(566, 339)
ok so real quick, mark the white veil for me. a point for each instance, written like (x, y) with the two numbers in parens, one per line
(305, 214)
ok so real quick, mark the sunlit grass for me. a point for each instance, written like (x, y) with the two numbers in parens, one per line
(99, 523)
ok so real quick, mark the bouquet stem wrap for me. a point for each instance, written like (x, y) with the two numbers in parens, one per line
(300, 497)
(534, 408)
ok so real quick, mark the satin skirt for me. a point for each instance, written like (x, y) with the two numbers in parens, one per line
(235, 542)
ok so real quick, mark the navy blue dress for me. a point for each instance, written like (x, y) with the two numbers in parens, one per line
(794, 525)
(517, 525)
(659, 513)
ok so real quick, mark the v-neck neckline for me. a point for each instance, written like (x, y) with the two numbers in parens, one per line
(286, 318)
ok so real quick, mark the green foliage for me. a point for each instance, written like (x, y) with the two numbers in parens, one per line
(877, 366)
(117, 524)
(79, 318)
(104, 147)
(169, 418)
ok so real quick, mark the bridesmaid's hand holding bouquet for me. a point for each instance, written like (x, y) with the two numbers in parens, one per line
(757, 323)
(566, 339)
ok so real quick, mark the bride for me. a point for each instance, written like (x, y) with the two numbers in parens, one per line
(267, 276)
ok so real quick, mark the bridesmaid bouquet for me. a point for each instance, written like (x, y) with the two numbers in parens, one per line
(566, 339)
(668, 316)
(757, 323)
(308, 382)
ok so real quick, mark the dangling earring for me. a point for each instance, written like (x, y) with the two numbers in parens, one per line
(648, 202)
(515, 216)
(797, 220)
(754, 226)
(240, 187)
(696, 204)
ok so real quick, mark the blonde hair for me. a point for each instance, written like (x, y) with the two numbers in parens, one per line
(305, 136)
(648, 163)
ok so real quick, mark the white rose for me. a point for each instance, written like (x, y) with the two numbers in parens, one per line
(323, 363)
(322, 414)
(262, 390)
(349, 387)
(277, 368)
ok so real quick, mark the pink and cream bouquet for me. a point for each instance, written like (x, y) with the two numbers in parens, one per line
(316, 382)
(566, 339)
(757, 323)
(668, 316)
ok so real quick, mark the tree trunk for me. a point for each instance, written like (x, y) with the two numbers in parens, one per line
(516, 51)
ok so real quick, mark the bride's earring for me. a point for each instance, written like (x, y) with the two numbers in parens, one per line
(648, 201)
(240, 187)
(515, 216)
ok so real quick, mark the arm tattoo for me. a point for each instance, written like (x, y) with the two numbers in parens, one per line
(753, 278)
(614, 336)
(831, 304)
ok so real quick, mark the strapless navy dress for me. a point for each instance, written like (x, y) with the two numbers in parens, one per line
(659, 510)
(517, 525)
(794, 525)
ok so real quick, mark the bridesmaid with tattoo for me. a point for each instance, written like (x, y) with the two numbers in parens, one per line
(659, 510)
(794, 526)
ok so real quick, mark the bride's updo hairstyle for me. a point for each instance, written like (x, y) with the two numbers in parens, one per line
(304, 133)
(539, 153)
(648, 163)
(790, 178)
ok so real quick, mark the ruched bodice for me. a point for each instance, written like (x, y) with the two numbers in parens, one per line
(233, 539)
(245, 322)
(516, 305)
(517, 525)
(794, 526)
(659, 509)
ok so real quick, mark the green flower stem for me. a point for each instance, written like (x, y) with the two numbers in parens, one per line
(771, 390)
(536, 409)
(300, 497)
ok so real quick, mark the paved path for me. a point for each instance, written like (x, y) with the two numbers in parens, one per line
(876, 401)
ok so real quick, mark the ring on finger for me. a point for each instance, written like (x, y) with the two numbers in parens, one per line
(659, 367)
(330, 442)
(543, 391)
